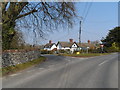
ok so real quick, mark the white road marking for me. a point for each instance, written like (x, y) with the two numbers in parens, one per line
(80, 57)
(83, 58)
(69, 60)
(15, 74)
(30, 70)
(103, 62)
(1, 78)
(41, 68)
(51, 65)
(50, 69)
(114, 53)
(73, 57)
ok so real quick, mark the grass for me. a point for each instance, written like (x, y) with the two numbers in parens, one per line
(13, 69)
(85, 54)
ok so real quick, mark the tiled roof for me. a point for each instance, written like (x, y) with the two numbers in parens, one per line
(69, 44)
(66, 44)
(49, 45)
(41, 46)
(86, 45)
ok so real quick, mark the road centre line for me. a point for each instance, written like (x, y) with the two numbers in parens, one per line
(41, 68)
(103, 62)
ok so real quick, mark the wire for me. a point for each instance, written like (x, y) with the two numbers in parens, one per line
(95, 34)
(86, 5)
(88, 9)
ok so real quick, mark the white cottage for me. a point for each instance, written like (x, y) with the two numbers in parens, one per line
(72, 46)
(50, 46)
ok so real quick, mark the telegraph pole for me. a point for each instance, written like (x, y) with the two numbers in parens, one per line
(80, 34)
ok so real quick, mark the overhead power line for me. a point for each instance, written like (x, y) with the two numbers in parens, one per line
(93, 33)
(87, 11)
(85, 8)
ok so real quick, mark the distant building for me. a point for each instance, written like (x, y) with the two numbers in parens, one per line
(87, 45)
(50, 46)
(72, 46)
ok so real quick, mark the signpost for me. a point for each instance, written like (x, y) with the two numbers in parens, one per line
(87, 49)
(102, 47)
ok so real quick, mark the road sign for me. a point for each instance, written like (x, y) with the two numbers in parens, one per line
(102, 45)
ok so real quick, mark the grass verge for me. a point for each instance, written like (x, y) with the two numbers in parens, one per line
(13, 69)
(85, 54)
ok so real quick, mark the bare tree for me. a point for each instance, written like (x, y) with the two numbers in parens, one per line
(41, 16)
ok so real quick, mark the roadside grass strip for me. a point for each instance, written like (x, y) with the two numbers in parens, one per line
(13, 69)
(85, 55)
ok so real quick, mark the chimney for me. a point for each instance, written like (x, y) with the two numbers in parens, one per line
(88, 41)
(71, 40)
(50, 41)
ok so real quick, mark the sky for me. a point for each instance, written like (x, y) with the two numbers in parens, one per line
(99, 19)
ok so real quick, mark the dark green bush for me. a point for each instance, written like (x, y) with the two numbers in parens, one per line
(46, 52)
(111, 49)
(62, 51)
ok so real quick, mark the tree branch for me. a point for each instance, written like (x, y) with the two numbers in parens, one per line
(20, 16)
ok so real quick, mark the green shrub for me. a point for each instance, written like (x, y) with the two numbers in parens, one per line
(46, 52)
(112, 49)
(62, 51)
(75, 52)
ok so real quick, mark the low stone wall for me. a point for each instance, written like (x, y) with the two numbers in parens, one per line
(13, 57)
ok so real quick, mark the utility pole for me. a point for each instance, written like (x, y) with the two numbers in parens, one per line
(80, 34)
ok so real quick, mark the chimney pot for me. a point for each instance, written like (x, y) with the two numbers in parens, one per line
(50, 41)
(88, 41)
(71, 40)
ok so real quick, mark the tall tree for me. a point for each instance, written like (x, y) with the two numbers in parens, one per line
(17, 41)
(112, 37)
(39, 14)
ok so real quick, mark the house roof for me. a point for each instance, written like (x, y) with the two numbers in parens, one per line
(86, 45)
(49, 45)
(41, 46)
(69, 44)
(66, 44)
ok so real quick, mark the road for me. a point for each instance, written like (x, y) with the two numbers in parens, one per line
(68, 72)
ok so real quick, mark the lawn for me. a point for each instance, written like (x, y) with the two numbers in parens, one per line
(13, 69)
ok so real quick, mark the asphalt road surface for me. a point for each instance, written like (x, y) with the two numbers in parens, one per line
(68, 72)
